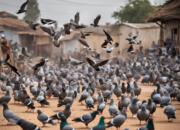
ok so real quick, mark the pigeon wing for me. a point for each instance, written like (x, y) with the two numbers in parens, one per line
(83, 42)
(76, 18)
(96, 21)
(24, 5)
(91, 62)
(108, 36)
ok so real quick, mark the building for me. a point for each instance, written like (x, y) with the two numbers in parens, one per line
(148, 32)
(167, 16)
(18, 31)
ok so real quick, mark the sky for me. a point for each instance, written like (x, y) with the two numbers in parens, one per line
(63, 10)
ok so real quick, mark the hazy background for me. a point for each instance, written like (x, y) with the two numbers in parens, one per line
(63, 10)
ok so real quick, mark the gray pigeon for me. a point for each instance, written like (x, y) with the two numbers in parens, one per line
(40, 98)
(108, 93)
(84, 95)
(9, 115)
(165, 99)
(67, 100)
(86, 118)
(16, 99)
(63, 94)
(151, 106)
(170, 112)
(66, 112)
(89, 101)
(133, 107)
(156, 97)
(118, 120)
(137, 89)
(113, 109)
(6, 98)
(101, 106)
(26, 125)
(117, 91)
(29, 103)
(64, 125)
(143, 114)
(44, 118)
(123, 103)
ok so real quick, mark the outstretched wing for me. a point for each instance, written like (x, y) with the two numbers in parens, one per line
(24, 5)
(76, 18)
(96, 21)
(108, 36)
(91, 62)
(115, 45)
(130, 49)
(104, 44)
(83, 42)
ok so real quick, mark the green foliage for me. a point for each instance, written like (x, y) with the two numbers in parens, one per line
(56, 25)
(33, 12)
(135, 11)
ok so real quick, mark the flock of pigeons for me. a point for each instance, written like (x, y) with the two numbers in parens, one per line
(67, 78)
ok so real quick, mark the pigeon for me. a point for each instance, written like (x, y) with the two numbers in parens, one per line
(9, 115)
(44, 118)
(156, 97)
(89, 101)
(132, 39)
(113, 109)
(101, 106)
(6, 98)
(67, 28)
(24, 52)
(100, 125)
(67, 100)
(165, 99)
(143, 114)
(75, 61)
(130, 49)
(66, 112)
(133, 107)
(47, 21)
(109, 50)
(29, 103)
(83, 35)
(22, 96)
(32, 25)
(84, 95)
(137, 89)
(96, 65)
(149, 126)
(151, 106)
(64, 125)
(170, 112)
(16, 99)
(118, 120)
(117, 91)
(48, 29)
(26, 125)
(123, 103)
(108, 40)
(96, 21)
(123, 88)
(108, 93)
(22, 8)
(86, 118)
(85, 45)
(40, 98)
(63, 94)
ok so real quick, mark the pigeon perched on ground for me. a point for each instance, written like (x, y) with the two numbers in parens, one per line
(100, 125)
(6, 98)
(117, 91)
(165, 99)
(118, 120)
(89, 101)
(26, 125)
(66, 112)
(170, 112)
(113, 109)
(133, 107)
(123, 103)
(9, 115)
(29, 103)
(86, 118)
(40, 98)
(44, 118)
(149, 126)
(67, 100)
(101, 106)
(143, 114)
(151, 106)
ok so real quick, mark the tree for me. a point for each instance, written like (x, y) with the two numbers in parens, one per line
(33, 12)
(135, 11)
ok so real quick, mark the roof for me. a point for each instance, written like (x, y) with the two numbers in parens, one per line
(4, 14)
(170, 10)
(20, 27)
(141, 25)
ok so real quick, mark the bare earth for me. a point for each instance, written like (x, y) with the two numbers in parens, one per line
(160, 119)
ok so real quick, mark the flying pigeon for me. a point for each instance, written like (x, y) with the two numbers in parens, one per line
(85, 45)
(32, 25)
(96, 21)
(47, 21)
(109, 50)
(22, 8)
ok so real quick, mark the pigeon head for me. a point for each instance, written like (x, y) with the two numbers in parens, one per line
(111, 102)
(143, 107)
(149, 101)
(39, 111)
(67, 106)
(95, 112)
(144, 101)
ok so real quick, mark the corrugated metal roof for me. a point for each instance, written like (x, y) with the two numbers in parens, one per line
(20, 27)
(141, 25)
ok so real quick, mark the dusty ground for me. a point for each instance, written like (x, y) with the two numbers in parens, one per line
(160, 119)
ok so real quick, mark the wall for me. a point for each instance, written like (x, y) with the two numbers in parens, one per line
(70, 45)
(10, 35)
(146, 35)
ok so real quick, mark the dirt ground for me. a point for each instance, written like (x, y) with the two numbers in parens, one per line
(160, 119)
